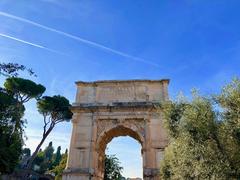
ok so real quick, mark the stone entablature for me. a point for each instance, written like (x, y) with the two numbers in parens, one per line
(122, 91)
(107, 109)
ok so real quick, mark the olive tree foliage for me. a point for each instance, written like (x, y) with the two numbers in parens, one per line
(54, 110)
(113, 169)
(229, 129)
(204, 136)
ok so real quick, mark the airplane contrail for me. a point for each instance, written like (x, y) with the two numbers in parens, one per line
(78, 38)
(31, 44)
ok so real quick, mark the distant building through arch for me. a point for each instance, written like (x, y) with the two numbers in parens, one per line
(107, 109)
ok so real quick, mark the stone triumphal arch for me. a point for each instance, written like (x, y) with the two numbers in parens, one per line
(107, 109)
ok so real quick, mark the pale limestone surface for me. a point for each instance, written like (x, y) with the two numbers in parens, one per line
(107, 109)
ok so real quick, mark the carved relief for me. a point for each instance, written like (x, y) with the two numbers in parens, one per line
(103, 124)
(138, 123)
(134, 124)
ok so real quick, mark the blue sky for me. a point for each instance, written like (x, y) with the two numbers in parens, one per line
(194, 43)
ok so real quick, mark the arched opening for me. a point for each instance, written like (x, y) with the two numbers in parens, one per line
(128, 151)
(106, 137)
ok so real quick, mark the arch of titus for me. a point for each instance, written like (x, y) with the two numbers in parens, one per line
(107, 109)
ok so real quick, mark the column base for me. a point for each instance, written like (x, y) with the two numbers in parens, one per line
(79, 174)
(75, 177)
(76, 174)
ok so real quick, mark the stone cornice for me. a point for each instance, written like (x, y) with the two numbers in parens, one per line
(89, 107)
(122, 81)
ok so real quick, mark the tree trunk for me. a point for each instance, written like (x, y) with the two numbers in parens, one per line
(31, 159)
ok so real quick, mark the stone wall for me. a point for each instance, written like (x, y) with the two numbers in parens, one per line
(107, 109)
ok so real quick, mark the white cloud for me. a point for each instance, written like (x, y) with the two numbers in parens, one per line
(31, 44)
(77, 38)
